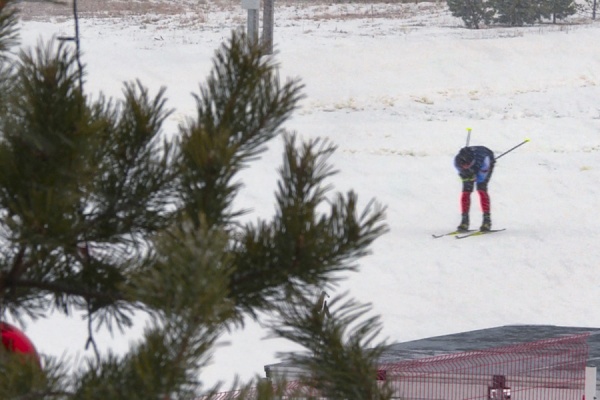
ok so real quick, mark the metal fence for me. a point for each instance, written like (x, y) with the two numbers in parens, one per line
(549, 369)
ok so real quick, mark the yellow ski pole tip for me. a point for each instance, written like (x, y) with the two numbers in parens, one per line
(527, 139)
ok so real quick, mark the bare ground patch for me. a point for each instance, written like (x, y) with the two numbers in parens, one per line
(41, 9)
(38, 9)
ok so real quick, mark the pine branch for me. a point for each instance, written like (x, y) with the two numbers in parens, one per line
(240, 108)
(341, 362)
(68, 289)
(98, 213)
(17, 269)
(8, 27)
(303, 246)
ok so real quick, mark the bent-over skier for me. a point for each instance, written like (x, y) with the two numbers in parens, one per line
(475, 165)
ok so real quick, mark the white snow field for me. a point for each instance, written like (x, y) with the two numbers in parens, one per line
(396, 86)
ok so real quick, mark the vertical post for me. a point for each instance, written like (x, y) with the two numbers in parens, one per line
(252, 7)
(78, 46)
(268, 22)
(253, 25)
(75, 39)
(590, 383)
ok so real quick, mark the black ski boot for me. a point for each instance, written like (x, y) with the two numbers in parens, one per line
(464, 223)
(486, 225)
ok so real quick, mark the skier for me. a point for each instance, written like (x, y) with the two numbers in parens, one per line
(475, 165)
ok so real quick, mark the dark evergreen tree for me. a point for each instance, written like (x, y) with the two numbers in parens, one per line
(472, 12)
(587, 8)
(100, 214)
(561, 9)
(515, 12)
(542, 9)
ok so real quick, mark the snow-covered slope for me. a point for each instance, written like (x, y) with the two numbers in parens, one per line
(397, 95)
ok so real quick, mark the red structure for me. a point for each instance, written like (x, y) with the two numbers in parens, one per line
(548, 369)
(14, 340)
(542, 370)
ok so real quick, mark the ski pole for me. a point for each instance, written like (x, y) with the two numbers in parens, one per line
(468, 137)
(511, 149)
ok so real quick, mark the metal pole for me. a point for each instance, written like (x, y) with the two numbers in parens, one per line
(509, 150)
(268, 22)
(78, 46)
(253, 25)
(252, 6)
(468, 137)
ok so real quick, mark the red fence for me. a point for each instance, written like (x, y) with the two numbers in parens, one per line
(550, 369)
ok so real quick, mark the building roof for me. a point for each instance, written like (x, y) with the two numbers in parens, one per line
(488, 338)
(475, 340)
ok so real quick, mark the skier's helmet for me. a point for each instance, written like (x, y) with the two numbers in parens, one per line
(465, 159)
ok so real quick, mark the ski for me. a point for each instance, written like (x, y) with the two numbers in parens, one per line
(478, 233)
(453, 233)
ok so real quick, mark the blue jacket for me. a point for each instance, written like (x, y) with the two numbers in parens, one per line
(480, 166)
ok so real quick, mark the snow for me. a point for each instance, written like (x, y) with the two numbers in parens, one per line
(397, 96)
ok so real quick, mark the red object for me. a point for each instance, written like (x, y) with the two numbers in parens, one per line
(484, 197)
(14, 340)
(465, 202)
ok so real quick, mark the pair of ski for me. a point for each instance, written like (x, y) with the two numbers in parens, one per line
(465, 234)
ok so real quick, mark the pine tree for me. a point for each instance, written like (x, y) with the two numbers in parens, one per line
(515, 12)
(472, 12)
(542, 9)
(100, 214)
(561, 9)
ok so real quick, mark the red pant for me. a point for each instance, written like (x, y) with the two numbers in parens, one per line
(484, 199)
